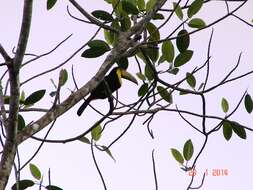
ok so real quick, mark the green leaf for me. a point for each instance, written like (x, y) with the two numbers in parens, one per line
(158, 16)
(97, 48)
(107, 150)
(224, 105)
(125, 23)
(22, 184)
(227, 130)
(168, 51)
(99, 44)
(93, 52)
(173, 71)
(21, 123)
(109, 36)
(194, 7)
(150, 5)
(149, 72)
(161, 59)
(117, 7)
(153, 32)
(34, 97)
(152, 53)
(183, 58)
(177, 155)
(50, 4)
(84, 140)
(129, 7)
(248, 103)
(164, 94)
(141, 4)
(115, 24)
(197, 23)
(35, 171)
(183, 40)
(239, 130)
(141, 56)
(96, 132)
(63, 77)
(143, 89)
(22, 97)
(191, 80)
(188, 150)
(183, 93)
(102, 15)
(141, 76)
(178, 11)
(53, 187)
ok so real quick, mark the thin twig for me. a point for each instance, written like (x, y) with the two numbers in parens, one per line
(189, 122)
(74, 17)
(63, 63)
(244, 21)
(201, 184)
(40, 146)
(5, 55)
(154, 170)
(96, 164)
(207, 26)
(208, 61)
(47, 53)
(91, 18)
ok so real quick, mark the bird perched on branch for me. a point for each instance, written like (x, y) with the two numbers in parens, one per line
(112, 81)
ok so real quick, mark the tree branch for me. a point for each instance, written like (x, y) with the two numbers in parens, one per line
(124, 42)
(91, 18)
(4, 54)
(10, 147)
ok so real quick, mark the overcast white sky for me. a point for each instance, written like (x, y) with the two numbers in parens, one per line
(71, 164)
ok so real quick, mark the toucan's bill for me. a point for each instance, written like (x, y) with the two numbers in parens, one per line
(128, 76)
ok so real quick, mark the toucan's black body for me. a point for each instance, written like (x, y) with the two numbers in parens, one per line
(113, 80)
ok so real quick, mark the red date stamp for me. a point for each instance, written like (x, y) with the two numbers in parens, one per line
(217, 172)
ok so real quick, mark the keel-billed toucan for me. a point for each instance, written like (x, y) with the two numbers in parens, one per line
(113, 80)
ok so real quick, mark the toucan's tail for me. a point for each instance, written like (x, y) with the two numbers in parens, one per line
(83, 106)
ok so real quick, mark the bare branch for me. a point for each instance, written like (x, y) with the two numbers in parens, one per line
(40, 146)
(244, 21)
(154, 170)
(10, 147)
(91, 18)
(201, 184)
(74, 17)
(47, 53)
(96, 164)
(60, 65)
(203, 99)
(186, 6)
(226, 77)
(24, 34)
(208, 61)
(189, 122)
(4, 54)
(207, 26)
